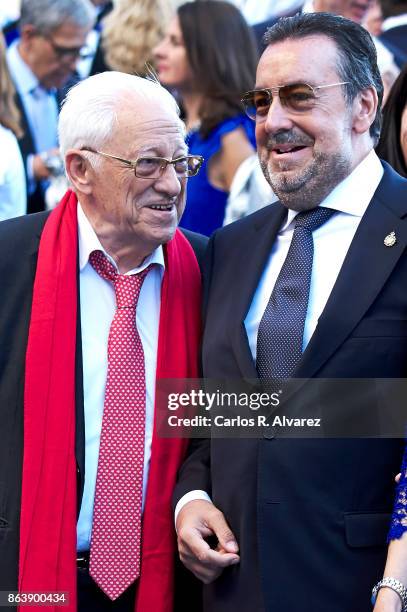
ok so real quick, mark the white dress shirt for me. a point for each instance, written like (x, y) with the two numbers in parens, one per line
(98, 306)
(394, 22)
(331, 243)
(13, 197)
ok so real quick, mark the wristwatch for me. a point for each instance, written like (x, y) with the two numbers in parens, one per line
(395, 585)
(53, 163)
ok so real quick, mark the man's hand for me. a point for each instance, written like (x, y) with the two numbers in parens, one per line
(196, 521)
(40, 170)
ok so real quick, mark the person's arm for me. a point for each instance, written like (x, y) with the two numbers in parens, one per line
(198, 519)
(396, 567)
(222, 166)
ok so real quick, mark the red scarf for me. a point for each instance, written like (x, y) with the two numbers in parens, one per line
(48, 504)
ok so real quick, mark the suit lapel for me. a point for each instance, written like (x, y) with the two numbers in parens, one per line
(26, 141)
(367, 266)
(254, 249)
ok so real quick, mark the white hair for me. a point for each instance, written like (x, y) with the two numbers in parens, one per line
(89, 111)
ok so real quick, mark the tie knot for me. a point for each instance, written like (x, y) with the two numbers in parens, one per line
(313, 219)
(39, 92)
(102, 265)
(127, 287)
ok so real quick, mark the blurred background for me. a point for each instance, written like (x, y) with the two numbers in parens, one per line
(204, 51)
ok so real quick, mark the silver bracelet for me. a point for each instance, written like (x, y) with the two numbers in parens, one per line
(394, 585)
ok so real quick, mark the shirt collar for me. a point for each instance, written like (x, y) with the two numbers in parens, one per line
(89, 242)
(23, 77)
(353, 194)
(394, 22)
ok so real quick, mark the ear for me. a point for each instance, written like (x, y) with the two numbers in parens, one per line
(27, 33)
(79, 171)
(364, 110)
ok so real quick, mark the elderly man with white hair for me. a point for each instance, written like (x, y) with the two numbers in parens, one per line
(100, 300)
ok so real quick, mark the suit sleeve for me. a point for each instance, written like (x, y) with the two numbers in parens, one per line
(195, 473)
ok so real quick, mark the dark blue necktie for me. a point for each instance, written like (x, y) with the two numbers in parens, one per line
(281, 329)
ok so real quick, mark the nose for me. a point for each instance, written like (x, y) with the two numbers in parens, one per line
(169, 183)
(69, 62)
(159, 50)
(278, 117)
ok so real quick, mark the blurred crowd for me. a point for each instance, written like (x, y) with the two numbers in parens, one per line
(205, 52)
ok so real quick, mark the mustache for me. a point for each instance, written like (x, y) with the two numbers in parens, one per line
(288, 137)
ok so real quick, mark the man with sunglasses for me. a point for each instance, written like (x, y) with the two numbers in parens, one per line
(101, 298)
(312, 286)
(52, 40)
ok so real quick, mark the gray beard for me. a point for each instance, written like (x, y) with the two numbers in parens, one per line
(309, 187)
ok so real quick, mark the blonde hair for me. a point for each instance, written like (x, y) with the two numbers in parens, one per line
(9, 113)
(132, 30)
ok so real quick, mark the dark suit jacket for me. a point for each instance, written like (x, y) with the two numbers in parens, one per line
(396, 41)
(310, 515)
(35, 200)
(259, 29)
(99, 64)
(19, 240)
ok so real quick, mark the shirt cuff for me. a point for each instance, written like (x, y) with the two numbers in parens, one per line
(31, 183)
(191, 496)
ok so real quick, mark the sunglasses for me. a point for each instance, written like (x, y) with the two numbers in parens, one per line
(297, 98)
(64, 53)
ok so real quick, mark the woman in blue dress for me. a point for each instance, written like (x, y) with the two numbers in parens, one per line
(392, 596)
(208, 58)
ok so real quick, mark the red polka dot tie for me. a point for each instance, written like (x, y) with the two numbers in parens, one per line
(116, 528)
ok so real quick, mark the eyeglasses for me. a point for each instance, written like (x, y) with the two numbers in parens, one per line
(297, 98)
(154, 167)
(68, 52)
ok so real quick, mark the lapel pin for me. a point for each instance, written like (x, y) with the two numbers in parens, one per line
(390, 239)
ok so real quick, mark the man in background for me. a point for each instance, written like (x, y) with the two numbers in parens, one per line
(52, 39)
